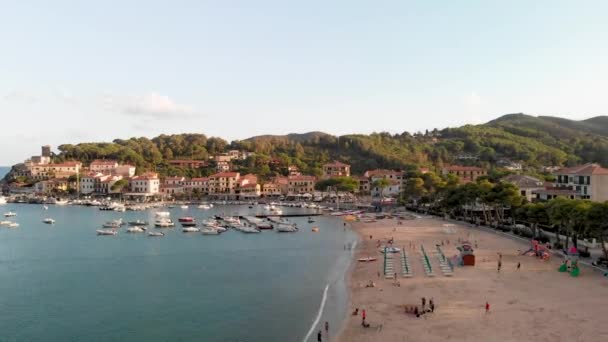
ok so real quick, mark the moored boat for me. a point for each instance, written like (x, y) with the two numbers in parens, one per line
(164, 223)
(48, 221)
(106, 232)
(190, 230)
(186, 219)
(210, 231)
(136, 230)
(156, 234)
(10, 214)
(286, 228)
(138, 223)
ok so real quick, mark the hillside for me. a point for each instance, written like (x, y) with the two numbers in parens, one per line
(537, 141)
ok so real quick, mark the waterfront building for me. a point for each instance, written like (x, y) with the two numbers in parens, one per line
(336, 169)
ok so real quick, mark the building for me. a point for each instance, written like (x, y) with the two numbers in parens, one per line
(125, 170)
(528, 185)
(465, 174)
(222, 166)
(271, 189)
(223, 183)
(173, 186)
(61, 170)
(103, 166)
(50, 186)
(551, 193)
(248, 187)
(589, 181)
(364, 184)
(46, 151)
(147, 184)
(336, 169)
(188, 163)
(301, 184)
(293, 170)
(88, 182)
(197, 185)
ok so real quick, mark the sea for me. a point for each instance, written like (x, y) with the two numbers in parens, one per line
(3, 171)
(62, 282)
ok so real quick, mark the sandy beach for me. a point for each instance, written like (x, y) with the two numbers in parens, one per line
(536, 303)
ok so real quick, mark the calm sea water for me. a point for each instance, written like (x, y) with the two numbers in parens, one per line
(64, 283)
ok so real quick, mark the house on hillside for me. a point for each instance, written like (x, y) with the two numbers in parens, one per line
(589, 181)
(528, 185)
(336, 169)
(465, 174)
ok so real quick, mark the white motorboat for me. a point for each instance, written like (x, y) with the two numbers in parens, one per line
(5, 223)
(286, 228)
(156, 234)
(232, 220)
(184, 207)
(204, 206)
(10, 214)
(61, 202)
(245, 229)
(210, 231)
(45, 207)
(163, 214)
(164, 223)
(120, 209)
(48, 221)
(13, 225)
(114, 224)
(106, 232)
(190, 230)
(138, 223)
(2, 200)
(136, 230)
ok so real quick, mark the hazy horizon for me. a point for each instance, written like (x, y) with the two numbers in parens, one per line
(78, 72)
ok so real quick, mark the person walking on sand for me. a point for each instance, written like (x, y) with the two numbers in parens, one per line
(518, 265)
(423, 303)
(487, 307)
(499, 265)
(432, 305)
(326, 327)
(319, 336)
(363, 317)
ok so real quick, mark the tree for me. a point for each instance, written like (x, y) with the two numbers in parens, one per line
(597, 218)
(119, 185)
(381, 184)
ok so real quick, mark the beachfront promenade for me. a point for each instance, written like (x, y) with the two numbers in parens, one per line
(532, 303)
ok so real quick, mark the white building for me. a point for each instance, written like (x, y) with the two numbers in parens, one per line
(147, 184)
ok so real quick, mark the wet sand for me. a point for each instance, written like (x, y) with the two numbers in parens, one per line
(536, 303)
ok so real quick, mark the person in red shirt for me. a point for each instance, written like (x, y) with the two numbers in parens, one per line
(363, 317)
(487, 307)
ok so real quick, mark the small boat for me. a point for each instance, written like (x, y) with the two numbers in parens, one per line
(106, 232)
(48, 221)
(368, 259)
(164, 223)
(114, 224)
(156, 234)
(190, 230)
(188, 224)
(171, 207)
(13, 225)
(45, 207)
(138, 223)
(136, 230)
(204, 206)
(210, 231)
(186, 219)
(286, 228)
(184, 207)
(5, 223)
(10, 214)
(163, 214)
(315, 229)
(61, 202)
(311, 220)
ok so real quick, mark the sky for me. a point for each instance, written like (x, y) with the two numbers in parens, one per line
(76, 71)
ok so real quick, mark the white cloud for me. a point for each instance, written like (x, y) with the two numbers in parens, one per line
(152, 105)
(21, 96)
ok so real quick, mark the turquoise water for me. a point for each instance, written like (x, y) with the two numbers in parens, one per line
(64, 283)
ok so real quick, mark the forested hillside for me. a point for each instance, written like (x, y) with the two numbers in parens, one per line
(537, 141)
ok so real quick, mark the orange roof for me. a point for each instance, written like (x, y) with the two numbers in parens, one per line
(463, 168)
(336, 163)
(302, 178)
(382, 172)
(104, 162)
(66, 164)
(201, 179)
(587, 169)
(225, 175)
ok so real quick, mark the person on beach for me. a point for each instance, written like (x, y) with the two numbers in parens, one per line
(326, 327)
(370, 236)
(432, 305)
(416, 312)
(319, 336)
(499, 265)
(363, 317)
(423, 303)
(518, 265)
(487, 307)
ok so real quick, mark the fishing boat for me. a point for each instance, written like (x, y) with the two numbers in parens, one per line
(106, 232)
(136, 230)
(48, 221)
(190, 230)
(164, 223)
(156, 234)
(10, 214)
(138, 223)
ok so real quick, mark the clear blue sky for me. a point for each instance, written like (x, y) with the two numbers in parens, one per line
(74, 71)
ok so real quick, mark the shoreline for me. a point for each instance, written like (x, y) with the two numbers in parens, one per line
(520, 299)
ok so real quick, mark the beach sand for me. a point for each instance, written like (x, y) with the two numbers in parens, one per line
(536, 303)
